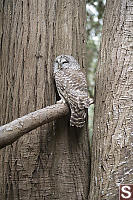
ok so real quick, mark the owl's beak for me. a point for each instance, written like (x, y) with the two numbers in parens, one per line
(59, 66)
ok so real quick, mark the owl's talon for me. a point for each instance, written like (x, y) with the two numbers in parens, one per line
(60, 101)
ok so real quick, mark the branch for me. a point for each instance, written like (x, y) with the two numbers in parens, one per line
(10, 132)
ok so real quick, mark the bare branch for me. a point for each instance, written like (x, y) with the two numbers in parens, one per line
(12, 131)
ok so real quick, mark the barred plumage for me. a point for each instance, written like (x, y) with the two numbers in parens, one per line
(72, 88)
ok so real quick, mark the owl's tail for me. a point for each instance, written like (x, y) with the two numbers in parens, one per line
(78, 118)
(79, 111)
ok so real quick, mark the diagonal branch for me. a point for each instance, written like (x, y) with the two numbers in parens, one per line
(12, 131)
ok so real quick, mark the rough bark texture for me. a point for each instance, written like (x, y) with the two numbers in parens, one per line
(10, 132)
(52, 163)
(112, 160)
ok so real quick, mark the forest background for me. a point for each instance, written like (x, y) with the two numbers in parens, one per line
(95, 12)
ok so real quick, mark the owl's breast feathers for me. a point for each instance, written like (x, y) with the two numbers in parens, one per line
(72, 86)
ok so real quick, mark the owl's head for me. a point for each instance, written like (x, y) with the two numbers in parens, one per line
(65, 62)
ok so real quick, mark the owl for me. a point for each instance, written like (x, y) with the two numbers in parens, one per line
(72, 88)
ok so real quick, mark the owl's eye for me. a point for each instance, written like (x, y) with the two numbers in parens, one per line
(65, 62)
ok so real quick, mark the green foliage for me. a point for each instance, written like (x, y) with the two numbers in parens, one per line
(95, 10)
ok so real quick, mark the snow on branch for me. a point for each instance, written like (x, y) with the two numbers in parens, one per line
(12, 131)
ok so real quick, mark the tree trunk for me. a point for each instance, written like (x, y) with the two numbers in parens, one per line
(112, 149)
(53, 161)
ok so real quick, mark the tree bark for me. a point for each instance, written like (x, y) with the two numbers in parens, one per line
(112, 148)
(10, 132)
(52, 163)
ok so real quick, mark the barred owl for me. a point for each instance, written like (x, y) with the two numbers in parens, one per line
(72, 88)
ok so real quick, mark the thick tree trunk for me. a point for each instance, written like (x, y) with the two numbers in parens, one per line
(53, 161)
(112, 161)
